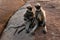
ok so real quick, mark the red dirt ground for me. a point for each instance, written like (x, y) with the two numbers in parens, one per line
(53, 21)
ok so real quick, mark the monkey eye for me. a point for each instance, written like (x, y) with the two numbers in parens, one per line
(37, 7)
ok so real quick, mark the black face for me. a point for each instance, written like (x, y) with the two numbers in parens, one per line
(29, 8)
(37, 7)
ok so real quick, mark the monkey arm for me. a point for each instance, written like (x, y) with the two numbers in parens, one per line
(43, 15)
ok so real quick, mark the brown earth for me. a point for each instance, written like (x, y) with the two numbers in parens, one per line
(7, 9)
(52, 9)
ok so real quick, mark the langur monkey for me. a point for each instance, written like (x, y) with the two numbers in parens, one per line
(40, 18)
(28, 17)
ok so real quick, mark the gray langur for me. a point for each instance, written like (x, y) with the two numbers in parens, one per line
(28, 17)
(40, 18)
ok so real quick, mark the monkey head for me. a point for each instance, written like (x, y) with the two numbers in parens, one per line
(29, 8)
(37, 6)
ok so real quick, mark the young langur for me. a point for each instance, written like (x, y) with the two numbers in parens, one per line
(28, 17)
(40, 18)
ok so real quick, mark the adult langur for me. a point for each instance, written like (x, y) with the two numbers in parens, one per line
(40, 18)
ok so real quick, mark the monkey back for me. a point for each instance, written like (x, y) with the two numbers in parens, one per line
(28, 16)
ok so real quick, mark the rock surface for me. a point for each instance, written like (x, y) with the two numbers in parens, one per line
(7, 9)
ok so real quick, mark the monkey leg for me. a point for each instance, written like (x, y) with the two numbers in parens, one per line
(21, 30)
(32, 31)
(18, 28)
(15, 31)
(28, 27)
(44, 28)
(34, 28)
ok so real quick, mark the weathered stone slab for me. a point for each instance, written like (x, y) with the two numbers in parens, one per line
(7, 9)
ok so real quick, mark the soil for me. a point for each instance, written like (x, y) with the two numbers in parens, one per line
(52, 9)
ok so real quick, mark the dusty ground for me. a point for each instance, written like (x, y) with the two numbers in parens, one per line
(53, 21)
(52, 9)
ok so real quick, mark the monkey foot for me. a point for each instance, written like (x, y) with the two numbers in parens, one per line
(33, 33)
(27, 31)
(44, 31)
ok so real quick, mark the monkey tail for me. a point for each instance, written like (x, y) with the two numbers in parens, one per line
(21, 30)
